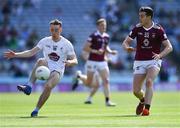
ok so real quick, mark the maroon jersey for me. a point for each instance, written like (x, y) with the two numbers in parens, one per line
(148, 40)
(98, 41)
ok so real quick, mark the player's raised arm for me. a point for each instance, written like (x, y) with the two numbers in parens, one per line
(24, 54)
(126, 45)
(168, 48)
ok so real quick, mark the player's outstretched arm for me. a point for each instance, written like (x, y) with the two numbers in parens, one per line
(25, 54)
(126, 45)
(168, 48)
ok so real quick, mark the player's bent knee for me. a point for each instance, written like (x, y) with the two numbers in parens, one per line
(96, 86)
(41, 61)
(88, 83)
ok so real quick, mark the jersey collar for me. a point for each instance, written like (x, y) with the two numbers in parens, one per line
(102, 35)
(147, 29)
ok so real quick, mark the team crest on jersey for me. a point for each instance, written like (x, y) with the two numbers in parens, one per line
(99, 39)
(54, 48)
(61, 49)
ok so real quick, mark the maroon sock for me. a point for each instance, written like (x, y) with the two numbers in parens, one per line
(142, 100)
(147, 106)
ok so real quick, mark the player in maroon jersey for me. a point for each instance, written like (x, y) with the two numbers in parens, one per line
(97, 45)
(149, 36)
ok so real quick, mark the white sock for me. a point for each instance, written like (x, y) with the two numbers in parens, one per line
(29, 83)
(89, 98)
(36, 109)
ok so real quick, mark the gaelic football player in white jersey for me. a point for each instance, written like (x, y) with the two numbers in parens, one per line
(58, 52)
(150, 37)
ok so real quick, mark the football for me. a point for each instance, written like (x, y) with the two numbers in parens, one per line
(42, 73)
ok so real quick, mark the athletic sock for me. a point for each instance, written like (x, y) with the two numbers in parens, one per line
(36, 109)
(107, 99)
(147, 106)
(89, 98)
(142, 100)
(29, 83)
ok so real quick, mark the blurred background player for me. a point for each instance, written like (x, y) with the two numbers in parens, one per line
(82, 77)
(97, 46)
(58, 52)
(149, 36)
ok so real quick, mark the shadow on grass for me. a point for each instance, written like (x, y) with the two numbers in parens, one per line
(34, 117)
(123, 116)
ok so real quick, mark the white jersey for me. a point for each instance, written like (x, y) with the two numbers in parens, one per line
(56, 52)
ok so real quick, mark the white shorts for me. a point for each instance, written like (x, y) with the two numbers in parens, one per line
(140, 67)
(94, 66)
(96, 76)
(53, 67)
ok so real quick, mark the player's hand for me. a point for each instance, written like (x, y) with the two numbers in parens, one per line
(67, 62)
(99, 52)
(114, 52)
(130, 49)
(9, 54)
(156, 56)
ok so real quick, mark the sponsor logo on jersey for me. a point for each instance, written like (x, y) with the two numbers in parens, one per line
(53, 56)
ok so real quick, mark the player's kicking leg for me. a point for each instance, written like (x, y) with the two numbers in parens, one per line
(151, 74)
(49, 85)
(86, 79)
(76, 78)
(138, 92)
(26, 88)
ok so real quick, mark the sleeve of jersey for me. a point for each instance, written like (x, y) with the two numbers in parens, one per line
(90, 38)
(70, 49)
(40, 44)
(163, 35)
(133, 33)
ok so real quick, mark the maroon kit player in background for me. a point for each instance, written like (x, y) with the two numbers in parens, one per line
(149, 36)
(97, 46)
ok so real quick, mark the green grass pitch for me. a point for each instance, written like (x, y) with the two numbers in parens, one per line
(67, 110)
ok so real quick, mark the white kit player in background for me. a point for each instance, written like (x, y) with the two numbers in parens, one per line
(58, 52)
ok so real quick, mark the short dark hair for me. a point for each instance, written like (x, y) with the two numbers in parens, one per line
(147, 10)
(55, 22)
(100, 21)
